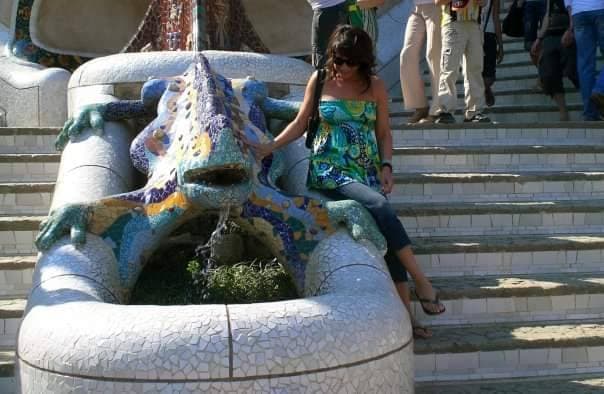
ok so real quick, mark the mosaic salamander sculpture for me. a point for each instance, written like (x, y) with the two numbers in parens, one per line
(195, 160)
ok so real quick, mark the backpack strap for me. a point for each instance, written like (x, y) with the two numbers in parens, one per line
(486, 22)
(318, 90)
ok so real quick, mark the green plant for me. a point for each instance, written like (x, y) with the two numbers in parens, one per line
(176, 277)
(246, 282)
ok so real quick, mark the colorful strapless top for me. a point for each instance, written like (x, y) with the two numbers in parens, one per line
(345, 149)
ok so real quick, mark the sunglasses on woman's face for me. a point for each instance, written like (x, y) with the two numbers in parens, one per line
(338, 61)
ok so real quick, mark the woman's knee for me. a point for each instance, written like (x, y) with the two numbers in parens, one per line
(382, 211)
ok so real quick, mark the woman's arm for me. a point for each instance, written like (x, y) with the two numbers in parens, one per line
(383, 134)
(364, 4)
(296, 128)
(568, 38)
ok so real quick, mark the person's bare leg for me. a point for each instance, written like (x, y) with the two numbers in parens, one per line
(419, 331)
(489, 96)
(561, 103)
(423, 286)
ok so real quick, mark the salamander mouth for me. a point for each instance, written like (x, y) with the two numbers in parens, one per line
(217, 176)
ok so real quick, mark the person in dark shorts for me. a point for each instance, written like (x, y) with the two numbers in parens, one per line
(492, 47)
(557, 59)
(327, 15)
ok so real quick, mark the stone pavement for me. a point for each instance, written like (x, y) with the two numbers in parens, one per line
(567, 385)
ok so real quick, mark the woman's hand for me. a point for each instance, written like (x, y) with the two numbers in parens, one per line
(536, 48)
(260, 150)
(499, 51)
(387, 179)
(568, 38)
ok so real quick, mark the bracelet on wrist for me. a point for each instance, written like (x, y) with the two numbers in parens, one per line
(386, 163)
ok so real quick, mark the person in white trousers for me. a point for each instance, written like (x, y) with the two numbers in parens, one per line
(423, 25)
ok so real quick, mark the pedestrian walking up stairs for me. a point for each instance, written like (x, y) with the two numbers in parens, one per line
(28, 169)
(508, 220)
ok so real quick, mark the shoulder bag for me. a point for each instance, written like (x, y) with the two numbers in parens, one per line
(513, 24)
(315, 118)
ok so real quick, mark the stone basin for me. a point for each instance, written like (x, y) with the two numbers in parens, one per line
(349, 332)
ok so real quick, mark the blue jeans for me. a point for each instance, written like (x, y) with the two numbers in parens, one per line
(385, 217)
(589, 34)
(599, 86)
(533, 14)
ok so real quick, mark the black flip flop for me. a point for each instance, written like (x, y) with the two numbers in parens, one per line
(435, 301)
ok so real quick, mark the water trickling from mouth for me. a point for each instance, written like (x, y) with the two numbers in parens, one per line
(205, 250)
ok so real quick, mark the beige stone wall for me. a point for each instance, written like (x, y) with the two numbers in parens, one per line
(86, 26)
(283, 25)
(6, 12)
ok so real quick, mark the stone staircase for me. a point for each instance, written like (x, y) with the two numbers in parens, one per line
(28, 168)
(508, 221)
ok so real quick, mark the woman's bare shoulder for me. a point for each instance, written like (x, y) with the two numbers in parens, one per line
(378, 86)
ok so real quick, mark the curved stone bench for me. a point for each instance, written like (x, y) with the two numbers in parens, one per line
(349, 334)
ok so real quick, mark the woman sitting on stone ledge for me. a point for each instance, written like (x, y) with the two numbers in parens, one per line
(351, 153)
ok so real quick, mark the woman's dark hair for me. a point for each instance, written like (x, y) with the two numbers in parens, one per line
(353, 43)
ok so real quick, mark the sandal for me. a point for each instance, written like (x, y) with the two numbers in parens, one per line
(435, 301)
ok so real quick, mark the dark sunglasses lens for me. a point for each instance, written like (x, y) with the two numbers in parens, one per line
(338, 61)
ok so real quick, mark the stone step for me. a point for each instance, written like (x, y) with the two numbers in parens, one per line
(25, 197)
(27, 140)
(515, 54)
(510, 113)
(520, 64)
(492, 133)
(570, 384)
(7, 364)
(526, 96)
(493, 186)
(515, 298)
(504, 350)
(509, 254)
(498, 157)
(501, 217)
(525, 81)
(512, 43)
(522, 87)
(8, 384)
(16, 274)
(11, 313)
(22, 167)
(17, 234)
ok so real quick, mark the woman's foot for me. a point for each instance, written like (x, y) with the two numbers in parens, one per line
(428, 299)
(420, 331)
(538, 87)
